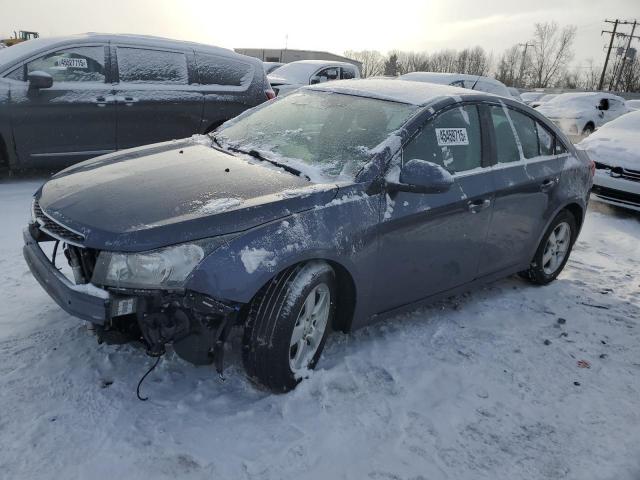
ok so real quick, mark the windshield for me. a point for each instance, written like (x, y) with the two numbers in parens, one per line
(325, 132)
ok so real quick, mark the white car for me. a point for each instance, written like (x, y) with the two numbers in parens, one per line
(543, 99)
(294, 75)
(529, 97)
(515, 93)
(633, 104)
(615, 149)
(472, 82)
(580, 114)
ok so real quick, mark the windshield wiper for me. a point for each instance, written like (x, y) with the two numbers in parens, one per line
(256, 154)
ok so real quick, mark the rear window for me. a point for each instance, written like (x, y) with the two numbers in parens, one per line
(215, 70)
(138, 65)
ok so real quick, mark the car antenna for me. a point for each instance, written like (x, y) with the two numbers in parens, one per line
(476, 82)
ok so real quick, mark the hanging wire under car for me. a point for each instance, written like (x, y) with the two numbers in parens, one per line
(144, 399)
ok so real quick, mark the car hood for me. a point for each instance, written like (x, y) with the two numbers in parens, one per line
(149, 197)
(275, 80)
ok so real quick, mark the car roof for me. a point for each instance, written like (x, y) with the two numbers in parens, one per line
(28, 48)
(560, 97)
(402, 91)
(447, 77)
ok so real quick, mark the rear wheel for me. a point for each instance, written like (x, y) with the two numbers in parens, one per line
(287, 325)
(553, 251)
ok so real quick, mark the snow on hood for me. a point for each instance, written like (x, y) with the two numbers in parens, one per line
(617, 143)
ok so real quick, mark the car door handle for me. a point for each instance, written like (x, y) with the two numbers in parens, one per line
(548, 184)
(476, 205)
(128, 101)
(103, 100)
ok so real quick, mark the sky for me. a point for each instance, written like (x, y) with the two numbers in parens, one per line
(329, 25)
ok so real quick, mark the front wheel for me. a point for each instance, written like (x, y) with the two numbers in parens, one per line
(287, 325)
(553, 251)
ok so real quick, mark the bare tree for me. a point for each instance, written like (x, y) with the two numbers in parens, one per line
(412, 62)
(590, 76)
(508, 69)
(552, 51)
(473, 61)
(372, 61)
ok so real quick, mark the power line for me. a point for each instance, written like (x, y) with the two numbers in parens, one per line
(620, 35)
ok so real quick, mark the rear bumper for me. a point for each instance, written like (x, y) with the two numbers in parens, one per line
(70, 297)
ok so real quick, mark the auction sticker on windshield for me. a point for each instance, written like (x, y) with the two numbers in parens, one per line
(72, 62)
(452, 136)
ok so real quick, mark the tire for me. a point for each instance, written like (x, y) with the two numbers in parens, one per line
(547, 264)
(588, 129)
(272, 356)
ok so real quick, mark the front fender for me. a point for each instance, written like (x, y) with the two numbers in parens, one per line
(342, 231)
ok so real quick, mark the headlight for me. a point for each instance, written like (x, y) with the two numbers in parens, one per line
(163, 268)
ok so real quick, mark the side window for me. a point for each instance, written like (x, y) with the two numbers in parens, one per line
(328, 74)
(78, 64)
(348, 73)
(560, 148)
(545, 139)
(615, 104)
(506, 145)
(451, 140)
(137, 65)
(526, 130)
(16, 74)
(214, 70)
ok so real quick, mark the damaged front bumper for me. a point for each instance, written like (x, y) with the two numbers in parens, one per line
(195, 324)
(88, 304)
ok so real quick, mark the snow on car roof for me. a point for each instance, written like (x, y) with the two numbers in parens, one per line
(446, 77)
(576, 97)
(24, 49)
(403, 91)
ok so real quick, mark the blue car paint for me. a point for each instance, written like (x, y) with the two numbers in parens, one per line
(430, 245)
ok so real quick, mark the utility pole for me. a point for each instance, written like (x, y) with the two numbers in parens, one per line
(606, 60)
(524, 58)
(626, 52)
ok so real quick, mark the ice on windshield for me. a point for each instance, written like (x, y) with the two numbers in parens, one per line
(327, 132)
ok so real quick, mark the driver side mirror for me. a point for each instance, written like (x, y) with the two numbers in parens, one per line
(315, 80)
(420, 176)
(38, 80)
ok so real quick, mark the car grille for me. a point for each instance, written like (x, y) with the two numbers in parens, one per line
(627, 174)
(54, 229)
(617, 195)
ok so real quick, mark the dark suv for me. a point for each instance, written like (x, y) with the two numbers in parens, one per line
(67, 99)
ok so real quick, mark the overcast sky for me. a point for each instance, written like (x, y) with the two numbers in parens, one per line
(331, 25)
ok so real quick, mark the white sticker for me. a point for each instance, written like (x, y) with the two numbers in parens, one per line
(73, 62)
(452, 136)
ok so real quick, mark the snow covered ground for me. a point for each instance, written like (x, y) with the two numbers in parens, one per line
(484, 386)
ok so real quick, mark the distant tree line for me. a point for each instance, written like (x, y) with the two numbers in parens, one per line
(546, 65)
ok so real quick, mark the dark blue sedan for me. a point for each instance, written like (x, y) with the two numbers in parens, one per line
(335, 206)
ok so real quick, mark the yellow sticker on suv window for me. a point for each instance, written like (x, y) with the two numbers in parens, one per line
(452, 136)
(72, 62)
